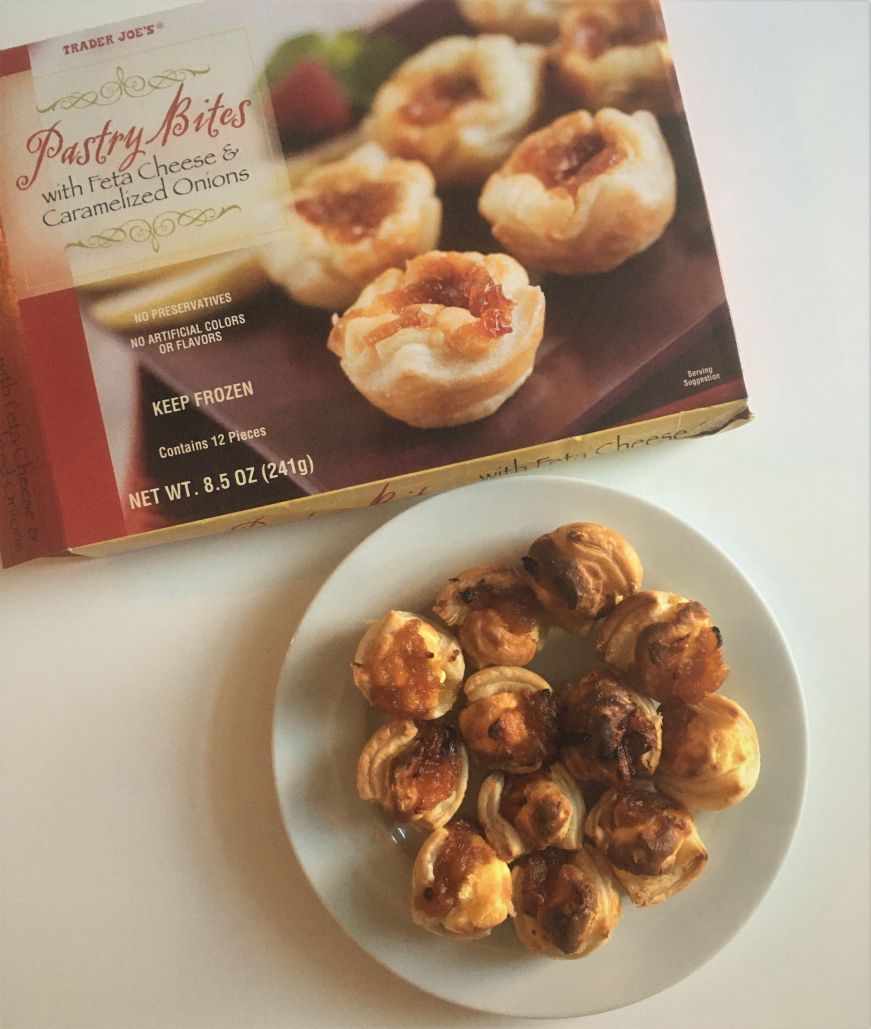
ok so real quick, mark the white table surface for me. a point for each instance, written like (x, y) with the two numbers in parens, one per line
(146, 877)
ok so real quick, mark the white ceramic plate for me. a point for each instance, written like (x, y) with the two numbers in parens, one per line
(360, 865)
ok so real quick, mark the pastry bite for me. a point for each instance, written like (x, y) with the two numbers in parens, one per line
(460, 104)
(417, 773)
(665, 646)
(494, 613)
(445, 341)
(615, 53)
(710, 753)
(408, 667)
(650, 842)
(460, 888)
(607, 731)
(583, 194)
(509, 721)
(520, 813)
(566, 903)
(350, 219)
(533, 21)
(580, 572)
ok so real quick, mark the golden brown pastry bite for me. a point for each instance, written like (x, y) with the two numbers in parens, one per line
(615, 53)
(460, 888)
(607, 731)
(408, 667)
(566, 903)
(649, 841)
(460, 104)
(349, 220)
(520, 813)
(494, 613)
(417, 773)
(710, 753)
(445, 341)
(664, 646)
(583, 194)
(509, 721)
(580, 571)
(534, 21)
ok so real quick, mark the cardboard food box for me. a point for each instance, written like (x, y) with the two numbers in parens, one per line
(185, 224)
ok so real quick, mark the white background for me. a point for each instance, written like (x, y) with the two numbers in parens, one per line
(146, 878)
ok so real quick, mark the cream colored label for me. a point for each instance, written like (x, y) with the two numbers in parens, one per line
(134, 156)
(686, 425)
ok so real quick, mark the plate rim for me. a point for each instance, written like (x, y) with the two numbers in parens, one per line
(615, 494)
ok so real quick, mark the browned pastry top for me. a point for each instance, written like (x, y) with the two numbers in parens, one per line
(438, 97)
(352, 213)
(608, 727)
(677, 655)
(511, 728)
(462, 852)
(565, 162)
(580, 571)
(555, 895)
(515, 606)
(448, 280)
(646, 832)
(427, 773)
(636, 22)
(536, 807)
(401, 675)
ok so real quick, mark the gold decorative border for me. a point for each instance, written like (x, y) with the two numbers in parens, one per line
(133, 86)
(141, 230)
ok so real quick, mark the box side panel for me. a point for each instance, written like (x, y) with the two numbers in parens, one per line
(678, 426)
(72, 421)
(30, 524)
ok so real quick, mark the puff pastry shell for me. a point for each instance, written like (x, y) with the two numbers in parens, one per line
(408, 667)
(349, 220)
(710, 753)
(535, 21)
(460, 104)
(615, 53)
(520, 813)
(417, 773)
(566, 902)
(460, 888)
(509, 722)
(444, 342)
(649, 841)
(494, 613)
(608, 732)
(583, 194)
(665, 646)
(580, 571)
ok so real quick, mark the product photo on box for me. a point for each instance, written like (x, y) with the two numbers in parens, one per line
(256, 268)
